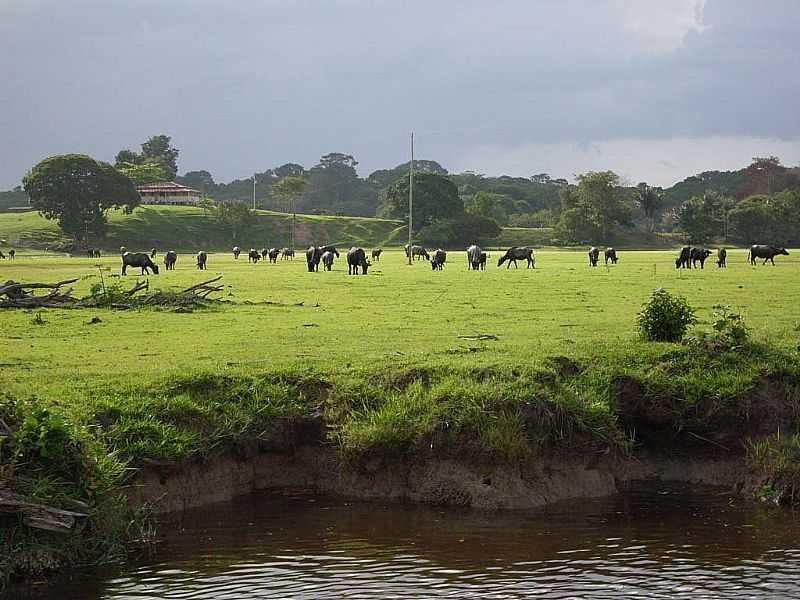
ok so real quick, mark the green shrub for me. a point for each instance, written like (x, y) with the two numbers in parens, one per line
(665, 318)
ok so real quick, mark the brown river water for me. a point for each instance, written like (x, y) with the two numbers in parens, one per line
(654, 542)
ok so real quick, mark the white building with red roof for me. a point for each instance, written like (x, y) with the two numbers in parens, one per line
(168, 192)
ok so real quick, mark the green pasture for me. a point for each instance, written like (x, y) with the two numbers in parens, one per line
(278, 316)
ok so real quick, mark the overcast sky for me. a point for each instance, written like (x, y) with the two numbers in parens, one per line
(654, 89)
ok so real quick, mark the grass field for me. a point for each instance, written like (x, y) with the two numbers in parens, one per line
(281, 316)
(499, 364)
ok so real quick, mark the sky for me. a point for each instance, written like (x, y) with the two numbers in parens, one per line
(654, 90)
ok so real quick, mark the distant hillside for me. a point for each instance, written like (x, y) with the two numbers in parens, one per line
(188, 229)
(12, 199)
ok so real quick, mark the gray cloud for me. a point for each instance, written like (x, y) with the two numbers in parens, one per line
(247, 85)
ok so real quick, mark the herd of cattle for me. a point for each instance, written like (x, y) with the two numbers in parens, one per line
(357, 261)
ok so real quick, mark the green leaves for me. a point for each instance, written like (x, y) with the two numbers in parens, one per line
(665, 318)
(77, 190)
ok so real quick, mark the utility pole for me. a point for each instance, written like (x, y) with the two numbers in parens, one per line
(411, 200)
(294, 217)
(254, 191)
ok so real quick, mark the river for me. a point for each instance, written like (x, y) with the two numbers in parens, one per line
(647, 542)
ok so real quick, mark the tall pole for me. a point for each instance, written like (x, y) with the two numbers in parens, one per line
(294, 216)
(411, 200)
(254, 191)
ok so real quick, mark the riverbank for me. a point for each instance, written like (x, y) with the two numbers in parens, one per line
(508, 435)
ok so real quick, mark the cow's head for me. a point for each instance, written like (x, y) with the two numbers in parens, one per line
(706, 253)
(678, 263)
(155, 269)
(783, 251)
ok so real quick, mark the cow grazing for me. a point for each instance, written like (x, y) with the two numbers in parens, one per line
(313, 256)
(438, 259)
(170, 258)
(474, 257)
(152, 252)
(273, 254)
(90, 253)
(417, 252)
(12, 254)
(768, 253)
(356, 257)
(376, 254)
(516, 253)
(264, 253)
(202, 258)
(287, 253)
(722, 254)
(594, 255)
(236, 252)
(684, 258)
(699, 254)
(138, 259)
(327, 260)
(482, 261)
(611, 255)
(253, 256)
(3, 256)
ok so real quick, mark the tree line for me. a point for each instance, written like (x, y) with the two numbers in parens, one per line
(756, 204)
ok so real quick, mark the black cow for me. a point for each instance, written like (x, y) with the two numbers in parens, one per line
(253, 256)
(356, 257)
(152, 252)
(611, 255)
(170, 258)
(12, 254)
(594, 255)
(273, 255)
(516, 253)
(89, 253)
(236, 252)
(474, 254)
(699, 254)
(417, 252)
(313, 255)
(376, 254)
(264, 253)
(327, 260)
(722, 254)
(202, 258)
(3, 256)
(138, 259)
(768, 253)
(438, 259)
(684, 258)
(482, 261)
(286, 253)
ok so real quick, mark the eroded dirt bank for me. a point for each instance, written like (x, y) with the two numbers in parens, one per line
(443, 481)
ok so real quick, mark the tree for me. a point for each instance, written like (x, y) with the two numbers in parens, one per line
(599, 195)
(650, 200)
(460, 231)
(289, 170)
(199, 180)
(206, 204)
(334, 187)
(494, 206)
(703, 218)
(236, 215)
(148, 171)
(765, 170)
(435, 197)
(78, 191)
(752, 221)
(157, 150)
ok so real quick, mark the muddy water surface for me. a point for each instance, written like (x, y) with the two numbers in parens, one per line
(649, 543)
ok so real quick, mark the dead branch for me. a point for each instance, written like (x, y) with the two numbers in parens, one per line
(201, 285)
(39, 516)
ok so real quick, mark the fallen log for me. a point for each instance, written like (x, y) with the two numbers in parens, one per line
(39, 516)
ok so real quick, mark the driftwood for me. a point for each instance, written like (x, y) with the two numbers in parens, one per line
(19, 295)
(39, 516)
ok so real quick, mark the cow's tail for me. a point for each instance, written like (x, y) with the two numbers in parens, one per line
(749, 252)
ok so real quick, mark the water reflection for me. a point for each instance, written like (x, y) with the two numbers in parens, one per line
(645, 543)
